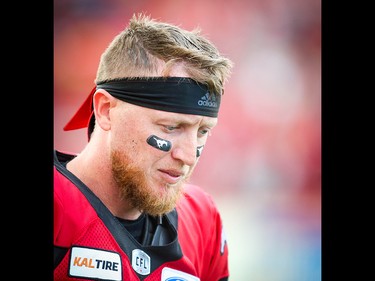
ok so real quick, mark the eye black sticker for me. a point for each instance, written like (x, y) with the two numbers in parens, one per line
(159, 143)
(199, 150)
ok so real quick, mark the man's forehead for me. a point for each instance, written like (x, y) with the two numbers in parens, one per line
(181, 118)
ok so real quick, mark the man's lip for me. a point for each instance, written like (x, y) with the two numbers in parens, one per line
(171, 176)
(172, 173)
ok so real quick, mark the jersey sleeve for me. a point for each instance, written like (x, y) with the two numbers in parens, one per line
(202, 235)
(219, 249)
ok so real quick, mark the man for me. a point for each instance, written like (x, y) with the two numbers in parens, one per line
(123, 207)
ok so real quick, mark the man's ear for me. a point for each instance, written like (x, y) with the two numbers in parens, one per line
(102, 102)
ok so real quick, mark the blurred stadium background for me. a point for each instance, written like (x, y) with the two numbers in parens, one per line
(262, 164)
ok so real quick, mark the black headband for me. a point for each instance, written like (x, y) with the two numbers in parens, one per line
(173, 94)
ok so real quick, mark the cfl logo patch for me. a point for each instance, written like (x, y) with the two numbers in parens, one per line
(141, 262)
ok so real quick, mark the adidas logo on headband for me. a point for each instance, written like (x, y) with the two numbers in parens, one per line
(207, 100)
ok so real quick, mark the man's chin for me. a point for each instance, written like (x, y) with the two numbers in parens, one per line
(162, 206)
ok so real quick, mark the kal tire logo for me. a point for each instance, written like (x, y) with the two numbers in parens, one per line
(208, 100)
(95, 264)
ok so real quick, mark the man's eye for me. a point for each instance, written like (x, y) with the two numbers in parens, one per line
(170, 128)
(205, 132)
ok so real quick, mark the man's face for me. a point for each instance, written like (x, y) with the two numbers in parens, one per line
(150, 178)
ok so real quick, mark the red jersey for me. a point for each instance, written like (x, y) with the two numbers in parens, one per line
(92, 244)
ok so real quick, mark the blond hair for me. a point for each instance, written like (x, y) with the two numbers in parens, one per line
(147, 47)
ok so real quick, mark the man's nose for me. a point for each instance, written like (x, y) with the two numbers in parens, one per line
(185, 149)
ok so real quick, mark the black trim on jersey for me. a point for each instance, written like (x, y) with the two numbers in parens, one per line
(159, 254)
(58, 255)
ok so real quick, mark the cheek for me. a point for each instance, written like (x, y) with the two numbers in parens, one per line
(124, 144)
(124, 138)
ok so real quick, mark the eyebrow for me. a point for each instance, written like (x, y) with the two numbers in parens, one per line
(182, 120)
